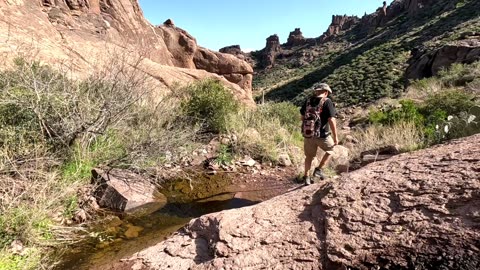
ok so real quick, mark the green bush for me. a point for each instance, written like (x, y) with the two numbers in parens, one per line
(30, 260)
(103, 149)
(224, 156)
(408, 112)
(287, 113)
(431, 115)
(210, 104)
(452, 102)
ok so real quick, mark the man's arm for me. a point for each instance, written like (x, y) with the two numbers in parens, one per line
(333, 127)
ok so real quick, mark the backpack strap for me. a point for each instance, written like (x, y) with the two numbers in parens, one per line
(319, 107)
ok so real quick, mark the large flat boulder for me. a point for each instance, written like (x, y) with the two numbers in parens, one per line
(124, 191)
(418, 210)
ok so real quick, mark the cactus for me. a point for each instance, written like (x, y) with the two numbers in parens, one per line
(465, 124)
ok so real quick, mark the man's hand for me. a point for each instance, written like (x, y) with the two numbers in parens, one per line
(335, 140)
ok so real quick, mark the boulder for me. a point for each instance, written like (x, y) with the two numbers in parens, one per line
(233, 49)
(124, 191)
(233, 69)
(284, 160)
(418, 210)
(237, 52)
(340, 159)
(392, 149)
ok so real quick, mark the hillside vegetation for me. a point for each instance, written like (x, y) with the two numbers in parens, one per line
(374, 66)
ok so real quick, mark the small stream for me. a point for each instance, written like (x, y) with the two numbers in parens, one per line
(119, 238)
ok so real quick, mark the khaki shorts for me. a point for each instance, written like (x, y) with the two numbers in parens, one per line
(310, 145)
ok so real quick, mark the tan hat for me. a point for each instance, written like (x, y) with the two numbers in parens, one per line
(322, 86)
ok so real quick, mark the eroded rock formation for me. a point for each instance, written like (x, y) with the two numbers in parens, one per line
(295, 38)
(418, 210)
(429, 64)
(339, 23)
(85, 32)
(271, 50)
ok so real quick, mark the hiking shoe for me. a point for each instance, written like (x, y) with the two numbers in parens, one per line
(319, 173)
(307, 180)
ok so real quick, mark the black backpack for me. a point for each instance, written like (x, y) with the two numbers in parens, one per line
(312, 123)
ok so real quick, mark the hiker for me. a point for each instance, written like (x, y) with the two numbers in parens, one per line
(319, 129)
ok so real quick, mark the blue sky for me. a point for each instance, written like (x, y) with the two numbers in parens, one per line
(219, 23)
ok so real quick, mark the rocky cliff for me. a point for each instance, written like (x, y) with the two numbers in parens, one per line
(414, 211)
(86, 32)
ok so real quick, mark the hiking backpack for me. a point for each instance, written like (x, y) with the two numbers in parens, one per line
(312, 123)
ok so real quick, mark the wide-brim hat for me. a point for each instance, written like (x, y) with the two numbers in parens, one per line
(322, 86)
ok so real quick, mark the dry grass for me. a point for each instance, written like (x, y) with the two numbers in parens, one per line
(406, 135)
(265, 138)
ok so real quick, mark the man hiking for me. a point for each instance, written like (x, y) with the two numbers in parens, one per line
(319, 129)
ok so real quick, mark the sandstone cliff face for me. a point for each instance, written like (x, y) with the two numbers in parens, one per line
(414, 211)
(85, 32)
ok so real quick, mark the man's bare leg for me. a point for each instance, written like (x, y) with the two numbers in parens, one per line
(324, 161)
(318, 170)
(308, 165)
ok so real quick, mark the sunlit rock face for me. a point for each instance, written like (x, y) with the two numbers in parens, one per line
(84, 33)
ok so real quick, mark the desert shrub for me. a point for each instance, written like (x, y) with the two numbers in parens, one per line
(210, 104)
(54, 130)
(408, 111)
(459, 74)
(431, 115)
(451, 101)
(224, 155)
(30, 260)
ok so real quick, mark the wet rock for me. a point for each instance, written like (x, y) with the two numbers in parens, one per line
(414, 211)
(132, 231)
(114, 222)
(124, 191)
(366, 159)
